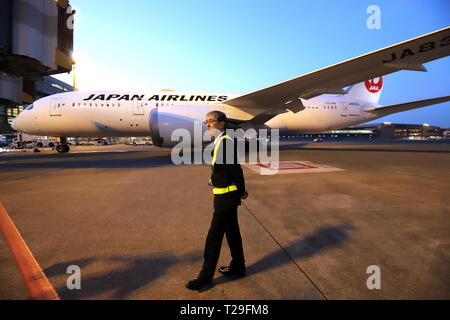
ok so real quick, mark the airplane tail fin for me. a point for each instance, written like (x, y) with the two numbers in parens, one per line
(369, 90)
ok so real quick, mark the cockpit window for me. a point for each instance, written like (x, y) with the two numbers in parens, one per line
(29, 107)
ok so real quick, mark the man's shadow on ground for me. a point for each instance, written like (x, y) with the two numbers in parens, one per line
(323, 238)
(135, 272)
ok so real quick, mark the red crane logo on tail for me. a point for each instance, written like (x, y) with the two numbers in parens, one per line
(374, 85)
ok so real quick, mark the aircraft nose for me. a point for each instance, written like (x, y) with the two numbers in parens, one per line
(21, 123)
(26, 121)
(15, 124)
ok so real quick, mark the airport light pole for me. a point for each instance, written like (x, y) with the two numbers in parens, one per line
(73, 71)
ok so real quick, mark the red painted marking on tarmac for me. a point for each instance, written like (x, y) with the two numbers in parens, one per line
(37, 283)
(289, 166)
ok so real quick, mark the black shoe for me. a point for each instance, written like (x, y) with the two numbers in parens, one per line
(226, 271)
(198, 284)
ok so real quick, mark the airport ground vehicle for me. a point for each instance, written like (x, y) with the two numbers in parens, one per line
(3, 141)
(141, 141)
(43, 143)
(28, 141)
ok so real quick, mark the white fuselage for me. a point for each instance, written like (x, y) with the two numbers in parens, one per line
(121, 114)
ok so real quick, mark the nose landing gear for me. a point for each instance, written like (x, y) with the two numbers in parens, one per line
(63, 147)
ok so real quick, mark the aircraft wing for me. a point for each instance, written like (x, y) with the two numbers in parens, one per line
(385, 110)
(407, 55)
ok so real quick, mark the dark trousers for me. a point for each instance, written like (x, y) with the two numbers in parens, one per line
(224, 221)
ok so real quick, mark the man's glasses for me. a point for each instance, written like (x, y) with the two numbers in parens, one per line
(209, 121)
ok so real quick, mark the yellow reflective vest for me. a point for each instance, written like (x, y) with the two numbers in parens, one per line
(230, 188)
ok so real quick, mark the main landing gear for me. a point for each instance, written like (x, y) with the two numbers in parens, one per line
(63, 147)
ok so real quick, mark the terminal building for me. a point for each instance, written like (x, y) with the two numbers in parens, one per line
(397, 131)
(36, 41)
(386, 131)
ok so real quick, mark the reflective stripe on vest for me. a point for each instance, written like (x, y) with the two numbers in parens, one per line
(224, 190)
(217, 147)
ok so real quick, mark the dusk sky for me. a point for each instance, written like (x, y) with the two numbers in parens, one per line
(243, 46)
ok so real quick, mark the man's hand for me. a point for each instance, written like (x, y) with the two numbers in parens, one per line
(245, 195)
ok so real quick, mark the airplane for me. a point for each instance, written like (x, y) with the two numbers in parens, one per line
(300, 105)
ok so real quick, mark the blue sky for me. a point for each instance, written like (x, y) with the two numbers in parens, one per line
(242, 46)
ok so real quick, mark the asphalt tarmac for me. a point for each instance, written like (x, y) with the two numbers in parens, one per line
(135, 224)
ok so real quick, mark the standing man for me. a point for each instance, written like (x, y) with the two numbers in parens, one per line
(228, 185)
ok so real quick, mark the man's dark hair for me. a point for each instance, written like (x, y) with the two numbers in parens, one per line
(219, 115)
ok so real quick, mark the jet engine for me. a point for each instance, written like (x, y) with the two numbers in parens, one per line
(169, 125)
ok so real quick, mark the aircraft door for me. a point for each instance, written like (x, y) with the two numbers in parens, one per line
(55, 107)
(138, 107)
(343, 108)
(353, 109)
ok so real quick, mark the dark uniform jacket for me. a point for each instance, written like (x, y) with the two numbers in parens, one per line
(227, 171)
